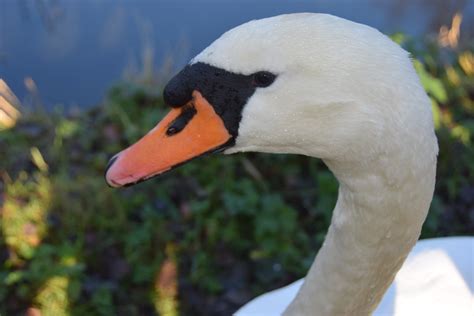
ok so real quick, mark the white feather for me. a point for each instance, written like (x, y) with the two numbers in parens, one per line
(347, 94)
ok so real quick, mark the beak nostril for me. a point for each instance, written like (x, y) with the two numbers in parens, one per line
(171, 131)
(181, 121)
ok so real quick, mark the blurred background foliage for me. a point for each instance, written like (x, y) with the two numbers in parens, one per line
(207, 237)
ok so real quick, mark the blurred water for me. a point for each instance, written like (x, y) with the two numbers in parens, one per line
(75, 51)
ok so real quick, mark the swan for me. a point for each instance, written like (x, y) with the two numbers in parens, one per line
(322, 86)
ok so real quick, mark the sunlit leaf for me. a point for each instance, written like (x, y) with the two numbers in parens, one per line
(432, 85)
(38, 159)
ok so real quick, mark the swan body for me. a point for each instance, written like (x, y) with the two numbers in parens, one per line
(321, 86)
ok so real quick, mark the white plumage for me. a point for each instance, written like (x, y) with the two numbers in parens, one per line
(349, 95)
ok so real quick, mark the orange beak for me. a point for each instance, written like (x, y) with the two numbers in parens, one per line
(184, 133)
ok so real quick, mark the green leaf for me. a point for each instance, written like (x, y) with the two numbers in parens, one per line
(432, 85)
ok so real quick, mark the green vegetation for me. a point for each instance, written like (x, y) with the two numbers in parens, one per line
(206, 237)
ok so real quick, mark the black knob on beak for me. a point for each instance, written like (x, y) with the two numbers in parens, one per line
(178, 91)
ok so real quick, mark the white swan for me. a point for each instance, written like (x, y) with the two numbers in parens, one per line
(321, 86)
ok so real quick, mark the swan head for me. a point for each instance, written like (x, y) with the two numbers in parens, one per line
(310, 84)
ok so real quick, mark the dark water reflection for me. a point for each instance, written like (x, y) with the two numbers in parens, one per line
(75, 50)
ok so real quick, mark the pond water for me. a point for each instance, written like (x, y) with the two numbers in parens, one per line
(74, 51)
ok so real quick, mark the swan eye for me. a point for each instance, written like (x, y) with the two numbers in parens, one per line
(263, 79)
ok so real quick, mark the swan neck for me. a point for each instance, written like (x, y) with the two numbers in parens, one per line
(376, 222)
